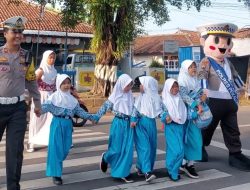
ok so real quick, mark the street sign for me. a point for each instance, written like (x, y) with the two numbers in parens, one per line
(170, 46)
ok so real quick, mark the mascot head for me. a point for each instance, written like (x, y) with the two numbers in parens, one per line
(216, 39)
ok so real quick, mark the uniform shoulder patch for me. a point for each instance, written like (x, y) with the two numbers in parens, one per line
(3, 59)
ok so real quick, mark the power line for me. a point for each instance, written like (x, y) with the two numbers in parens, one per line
(233, 16)
(206, 17)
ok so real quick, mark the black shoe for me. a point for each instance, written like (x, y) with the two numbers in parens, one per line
(139, 172)
(103, 164)
(57, 180)
(239, 161)
(178, 178)
(204, 155)
(190, 171)
(149, 176)
(127, 179)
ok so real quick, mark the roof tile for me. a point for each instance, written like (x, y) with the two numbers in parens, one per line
(50, 21)
(154, 44)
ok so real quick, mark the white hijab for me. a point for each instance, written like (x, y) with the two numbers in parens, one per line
(149, 102)
(49, 71)
(184, 78)
(62, 99)
(123, 102)
(175, 105)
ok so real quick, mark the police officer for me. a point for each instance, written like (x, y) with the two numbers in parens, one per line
(15, 76)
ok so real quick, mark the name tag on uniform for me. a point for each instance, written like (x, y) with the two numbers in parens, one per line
(22, 60)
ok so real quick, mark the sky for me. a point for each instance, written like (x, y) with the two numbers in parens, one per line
(220, 11)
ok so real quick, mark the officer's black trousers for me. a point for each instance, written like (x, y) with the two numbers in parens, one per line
(13, 119)
(225, 112)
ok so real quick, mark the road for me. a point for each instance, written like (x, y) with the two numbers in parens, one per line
(81, 169)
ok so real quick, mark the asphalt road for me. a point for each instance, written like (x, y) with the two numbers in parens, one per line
(81, 169)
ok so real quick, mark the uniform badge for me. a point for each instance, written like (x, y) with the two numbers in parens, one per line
(4, 68)
(19, 23)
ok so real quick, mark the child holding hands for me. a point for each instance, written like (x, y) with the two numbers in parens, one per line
(173, 119)
(121, 139)
(63, 106)
(147, 107)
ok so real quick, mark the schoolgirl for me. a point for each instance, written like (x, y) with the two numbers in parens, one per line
(147, 107)
(174, 118)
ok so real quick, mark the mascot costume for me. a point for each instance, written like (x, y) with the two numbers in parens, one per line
(221, 84)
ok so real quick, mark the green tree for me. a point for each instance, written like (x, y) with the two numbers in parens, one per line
(116, 23)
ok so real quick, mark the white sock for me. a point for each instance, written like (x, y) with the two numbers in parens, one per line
(184, 162)
(190, 163)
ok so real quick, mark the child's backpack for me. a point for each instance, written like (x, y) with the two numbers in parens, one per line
(201, 121)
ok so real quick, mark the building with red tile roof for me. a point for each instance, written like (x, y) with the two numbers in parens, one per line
(242, 33)
(45, 24)
(153, 44)
(149, 48)
(241, 42)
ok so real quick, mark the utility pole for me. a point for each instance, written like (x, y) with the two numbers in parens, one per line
(41, 15)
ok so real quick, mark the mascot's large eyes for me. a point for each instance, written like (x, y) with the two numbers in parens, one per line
(228, 41)
(216, 40)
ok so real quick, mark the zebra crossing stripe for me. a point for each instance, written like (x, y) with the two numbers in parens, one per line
(245, 186)
(222, 146)
(79, 140)
(75, 150)
(74, 135)
(66, 164)
(163, 183)
(159, 183)
(75, 131)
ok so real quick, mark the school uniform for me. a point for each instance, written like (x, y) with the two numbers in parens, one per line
(39, 126)
(63, 106)
(121, 138)
(193, 137)
(147, 107)
(174, 131)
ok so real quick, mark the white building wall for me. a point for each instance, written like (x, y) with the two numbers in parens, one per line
(241, 47)
(147, 59)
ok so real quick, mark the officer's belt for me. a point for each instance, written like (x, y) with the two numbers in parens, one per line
(12, 100)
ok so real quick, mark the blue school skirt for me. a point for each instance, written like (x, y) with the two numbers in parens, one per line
(174, 150)
(192, 141)
(60, 141)
(146, 144)
(120, 149)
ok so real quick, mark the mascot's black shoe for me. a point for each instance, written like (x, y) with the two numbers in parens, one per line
(239, 161)
(204, 155)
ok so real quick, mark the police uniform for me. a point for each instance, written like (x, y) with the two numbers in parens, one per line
(221, 102)
(16, 74)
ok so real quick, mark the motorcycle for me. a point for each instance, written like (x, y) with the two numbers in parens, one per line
(77, 121)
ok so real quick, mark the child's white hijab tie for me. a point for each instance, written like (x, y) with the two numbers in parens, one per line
(149, 102)
(123, 102)
(175, 105)
(62, 99)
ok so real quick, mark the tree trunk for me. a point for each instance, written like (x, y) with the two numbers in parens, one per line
(105, 78)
